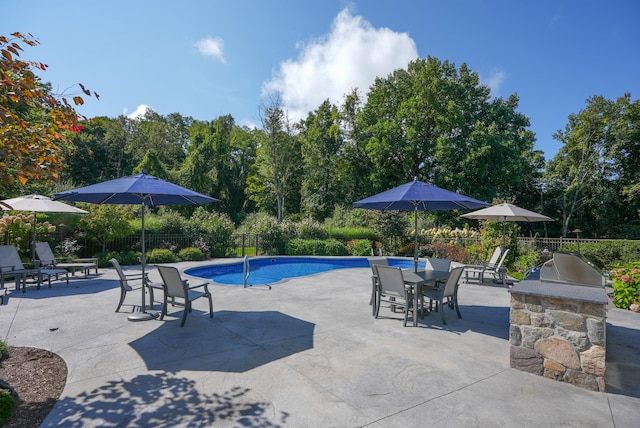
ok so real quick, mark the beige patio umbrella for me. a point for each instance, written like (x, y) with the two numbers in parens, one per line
(35, 204)
(506, 212)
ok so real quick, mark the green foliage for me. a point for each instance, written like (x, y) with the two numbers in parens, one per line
(308, 228)
(626, 285)
(315, 247)
(529, 259)
(7, 405)
(105, 223)
(214, 229)
(4, 349)
(161, 255)
(392, 227)
(191, 254)
(349, 233)
(359, 247)
(605, 254)
(16, 230)
(272, 234)
(125, 258)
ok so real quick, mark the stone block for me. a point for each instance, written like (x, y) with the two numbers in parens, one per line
(594, 310)
(541, 320)
(533, 304)
(530, 335)
(526, 360)
(553, 365)
(559, 350)
(519, 317)
(517, 301)
(596, 331)
(581, 379)
(553, 374)
(593, 360)
(578, 339)
(567, 320)
(560, 304)
(515, 335)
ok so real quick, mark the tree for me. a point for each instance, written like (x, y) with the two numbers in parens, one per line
(35, 123)
(590, 181)
(277, 161)
(436, 122)
(322, 147)
(105, 223)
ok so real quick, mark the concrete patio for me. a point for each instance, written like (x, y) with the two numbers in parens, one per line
(305, 353)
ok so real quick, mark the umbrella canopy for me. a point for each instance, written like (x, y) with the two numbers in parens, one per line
(136, 189)
(506, 212)
(418, 196)
(38, 204)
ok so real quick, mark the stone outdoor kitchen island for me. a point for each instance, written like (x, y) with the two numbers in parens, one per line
(558, 330)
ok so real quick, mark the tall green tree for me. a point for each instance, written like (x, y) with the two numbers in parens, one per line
(437, 122)
(275, 176)
(589, 180)
(322, 148)
(167, 135)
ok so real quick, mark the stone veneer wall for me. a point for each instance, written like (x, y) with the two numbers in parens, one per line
(559, 338)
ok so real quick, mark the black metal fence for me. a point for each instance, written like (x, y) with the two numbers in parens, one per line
(240, 245)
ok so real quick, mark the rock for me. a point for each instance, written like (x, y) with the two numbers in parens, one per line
(558, 350)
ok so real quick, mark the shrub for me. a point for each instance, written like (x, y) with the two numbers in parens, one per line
(315, 247)
(190, 254)
(626, 285)
(7, 405)
(161, 255)
(272, 234)
(4, 350)
(605, 254)
(125, 258)
(349, 233)
(359, 247)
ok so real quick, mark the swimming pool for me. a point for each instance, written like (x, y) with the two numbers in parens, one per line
(268, 270)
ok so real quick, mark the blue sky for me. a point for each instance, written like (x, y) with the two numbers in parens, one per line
(210, 58)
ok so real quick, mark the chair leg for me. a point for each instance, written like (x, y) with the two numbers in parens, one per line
(164, 307)
(377, 305)
(187, 307)
(455, 303)
(210, 306)
(442, 311)
(122, 294)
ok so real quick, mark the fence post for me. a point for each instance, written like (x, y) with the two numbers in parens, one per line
(257, 244)
(243, 244)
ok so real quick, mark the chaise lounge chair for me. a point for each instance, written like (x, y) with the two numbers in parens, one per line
(11, 266)
(48, 260)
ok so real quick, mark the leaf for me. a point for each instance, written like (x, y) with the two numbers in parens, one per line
(78, 100)
(7, 55)
(86, 91)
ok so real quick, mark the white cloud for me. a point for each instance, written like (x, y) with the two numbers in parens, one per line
(494, 82)
(350, 57)
(212, 46)
(139, 112)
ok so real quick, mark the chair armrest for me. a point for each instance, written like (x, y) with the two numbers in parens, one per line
(85, 260)
(193, 287)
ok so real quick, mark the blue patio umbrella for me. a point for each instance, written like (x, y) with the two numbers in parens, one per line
(418, 196)
(136, 189)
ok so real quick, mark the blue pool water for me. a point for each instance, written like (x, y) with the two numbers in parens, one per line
(267, 270)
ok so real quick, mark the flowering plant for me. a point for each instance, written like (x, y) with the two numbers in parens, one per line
(626, 286)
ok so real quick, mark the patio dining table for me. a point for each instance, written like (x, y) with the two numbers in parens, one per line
(419, 279)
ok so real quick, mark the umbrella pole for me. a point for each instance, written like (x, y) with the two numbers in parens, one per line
(415, 238)
(143, 315)
(33, 239)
